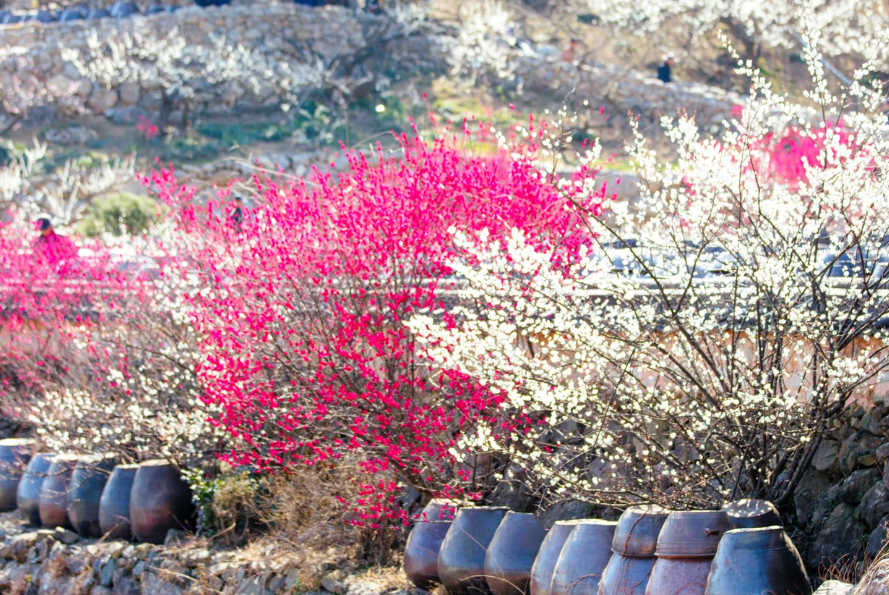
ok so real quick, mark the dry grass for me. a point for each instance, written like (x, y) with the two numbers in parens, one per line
(871, 575)
(304, 511)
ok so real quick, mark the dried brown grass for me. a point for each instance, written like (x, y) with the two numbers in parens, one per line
(304, 510)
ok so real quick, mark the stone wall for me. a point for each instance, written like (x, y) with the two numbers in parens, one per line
(44, 562)
(284, 30)
(281, 31)
(841, 507)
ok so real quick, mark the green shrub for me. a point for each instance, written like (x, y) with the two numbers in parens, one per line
(117, 213)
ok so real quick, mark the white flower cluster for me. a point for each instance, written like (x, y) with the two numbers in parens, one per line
(132, 387)
(724, 317)
(64, 193)
(483, 46)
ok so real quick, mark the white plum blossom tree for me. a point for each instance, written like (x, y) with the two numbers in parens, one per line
(483, 44)
(730, 313)
(164, 61)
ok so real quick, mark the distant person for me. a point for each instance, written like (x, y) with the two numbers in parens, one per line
(373, 7)
(236, 214)
(570, 53)
(55, 250)
(665, 70)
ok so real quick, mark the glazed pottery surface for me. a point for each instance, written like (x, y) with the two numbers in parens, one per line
(548, 556)
(461, 561)
(760, 560)
(512, 552)
(638, 529)
(626, 575)
(28, 493)
(54, 492)
(114, 505)
(583, 559)
(15, 453)
(160, 501)
(692, 533)
(424, 543)
(679, 576)
(85, 492)
(750, 514)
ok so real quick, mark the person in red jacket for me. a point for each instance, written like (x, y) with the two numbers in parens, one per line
(55, 250)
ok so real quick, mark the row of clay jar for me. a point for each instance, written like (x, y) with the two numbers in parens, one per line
(92, 495)
(739, 550)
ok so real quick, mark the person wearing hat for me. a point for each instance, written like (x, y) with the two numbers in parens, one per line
(52, 248)
(665, 70)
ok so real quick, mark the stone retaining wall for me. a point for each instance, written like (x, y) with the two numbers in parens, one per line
(282, 29)
(44, 562)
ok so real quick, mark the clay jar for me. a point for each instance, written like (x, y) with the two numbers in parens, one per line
(750, 514)
(159, 501)
(85, 491)
(424, 543)
(548, 556)
(114, 505)
(461, 560)
(583, 559)
(634, 544)
(685, 550)
(512, 552)
(28, 494)
(760, 560)
(15, 454)
(54, 492)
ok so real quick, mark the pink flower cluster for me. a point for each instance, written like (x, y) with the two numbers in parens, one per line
(302, 302)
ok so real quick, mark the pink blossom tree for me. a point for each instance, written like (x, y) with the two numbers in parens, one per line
(302, 300)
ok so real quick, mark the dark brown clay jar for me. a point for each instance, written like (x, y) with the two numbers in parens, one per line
(583, 559)
(634, 545)
(160, 501)
(685, 550)
(626, 575)
(54, 492)
(760, 560)
(692, 533)
(15, 453)
(85, 492)
(638, 530)
(512, 552)
(114, 505)
(461, 560)
(750, 514)
(679, 576)
(548, 556)
(28, 493)
(424, 543)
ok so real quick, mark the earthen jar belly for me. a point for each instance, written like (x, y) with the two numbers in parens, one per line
(685, 549)
(512, 552)
(548, 556)
(28, 493)
(583, 559)
(758, 560)
(160, 501)
(633, 547)
(15, 454)
(424, 543)
(461, 561)
(85, 492)
(54, 492)
(114, 505)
